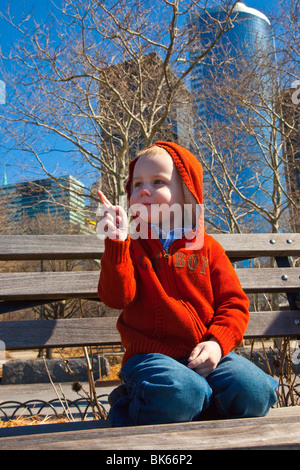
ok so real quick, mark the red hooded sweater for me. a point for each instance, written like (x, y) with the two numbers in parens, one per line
(172, 303)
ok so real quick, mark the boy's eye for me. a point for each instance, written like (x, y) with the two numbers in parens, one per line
(156, 182)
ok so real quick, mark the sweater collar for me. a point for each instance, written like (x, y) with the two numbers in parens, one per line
(167, 238)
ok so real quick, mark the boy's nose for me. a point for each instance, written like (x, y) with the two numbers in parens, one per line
(144, 192)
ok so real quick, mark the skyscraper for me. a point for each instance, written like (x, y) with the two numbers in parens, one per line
(248, 35)
(233, 91)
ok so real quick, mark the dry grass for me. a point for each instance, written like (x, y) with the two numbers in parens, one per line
(115, 367)
(31, 420)
(114, 373)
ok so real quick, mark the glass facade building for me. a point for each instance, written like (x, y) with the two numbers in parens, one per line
(62, 197)
(250, 36)
(235, 71)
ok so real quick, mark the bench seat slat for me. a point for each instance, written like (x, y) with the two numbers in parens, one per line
(60, 285)
(29, 247)
(279, 430)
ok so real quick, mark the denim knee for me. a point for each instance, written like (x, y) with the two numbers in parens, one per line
(178, 400)
(160, 390)
(241, 389)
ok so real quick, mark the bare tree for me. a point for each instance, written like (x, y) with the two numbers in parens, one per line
(242, 133)
(101, 79)
(287, 36)
(287, 27)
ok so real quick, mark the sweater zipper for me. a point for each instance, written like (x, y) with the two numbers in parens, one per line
(184, 304)
(167, 250)
(172, 290)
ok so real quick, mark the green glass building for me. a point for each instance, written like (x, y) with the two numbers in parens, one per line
(62, 197)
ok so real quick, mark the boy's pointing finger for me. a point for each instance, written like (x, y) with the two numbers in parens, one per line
(104, 200)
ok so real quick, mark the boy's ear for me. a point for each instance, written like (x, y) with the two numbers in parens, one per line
(128, 185)
(190, 199)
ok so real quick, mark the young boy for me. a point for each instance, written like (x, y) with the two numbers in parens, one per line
(184, 310)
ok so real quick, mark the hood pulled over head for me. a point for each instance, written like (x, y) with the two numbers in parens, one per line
(188, 167)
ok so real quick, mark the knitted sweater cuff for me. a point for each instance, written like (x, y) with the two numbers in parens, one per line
(224, 337)
(116, 251)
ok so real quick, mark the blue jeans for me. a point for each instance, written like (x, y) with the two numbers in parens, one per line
(160, 389)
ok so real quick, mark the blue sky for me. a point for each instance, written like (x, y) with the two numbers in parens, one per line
(265, 6)
(39, 9)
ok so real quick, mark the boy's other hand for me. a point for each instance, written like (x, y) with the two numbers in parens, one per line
(205, 357)
(113, 224)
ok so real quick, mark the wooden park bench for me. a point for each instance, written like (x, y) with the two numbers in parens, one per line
(18, 290)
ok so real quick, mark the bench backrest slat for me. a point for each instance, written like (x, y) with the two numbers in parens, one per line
(62, 285)
(34, 334)
(28, 247)
(272, 324)
(36, 247)
(31, 334)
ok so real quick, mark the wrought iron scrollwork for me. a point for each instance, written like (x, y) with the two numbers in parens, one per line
(79, 409)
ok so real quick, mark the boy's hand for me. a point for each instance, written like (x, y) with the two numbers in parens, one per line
(205, 357)
(113, 224)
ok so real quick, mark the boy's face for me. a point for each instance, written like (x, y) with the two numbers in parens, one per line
(156, 181)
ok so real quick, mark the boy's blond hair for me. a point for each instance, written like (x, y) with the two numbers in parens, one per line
(152, 151)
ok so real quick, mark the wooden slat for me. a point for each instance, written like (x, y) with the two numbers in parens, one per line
(34, 334)
(15, 247)
(50, 285)
(269, 279)
(260, 244)
(93, 331)
(31, 247)
(273, 324)
(63, 285)
(279, 430)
